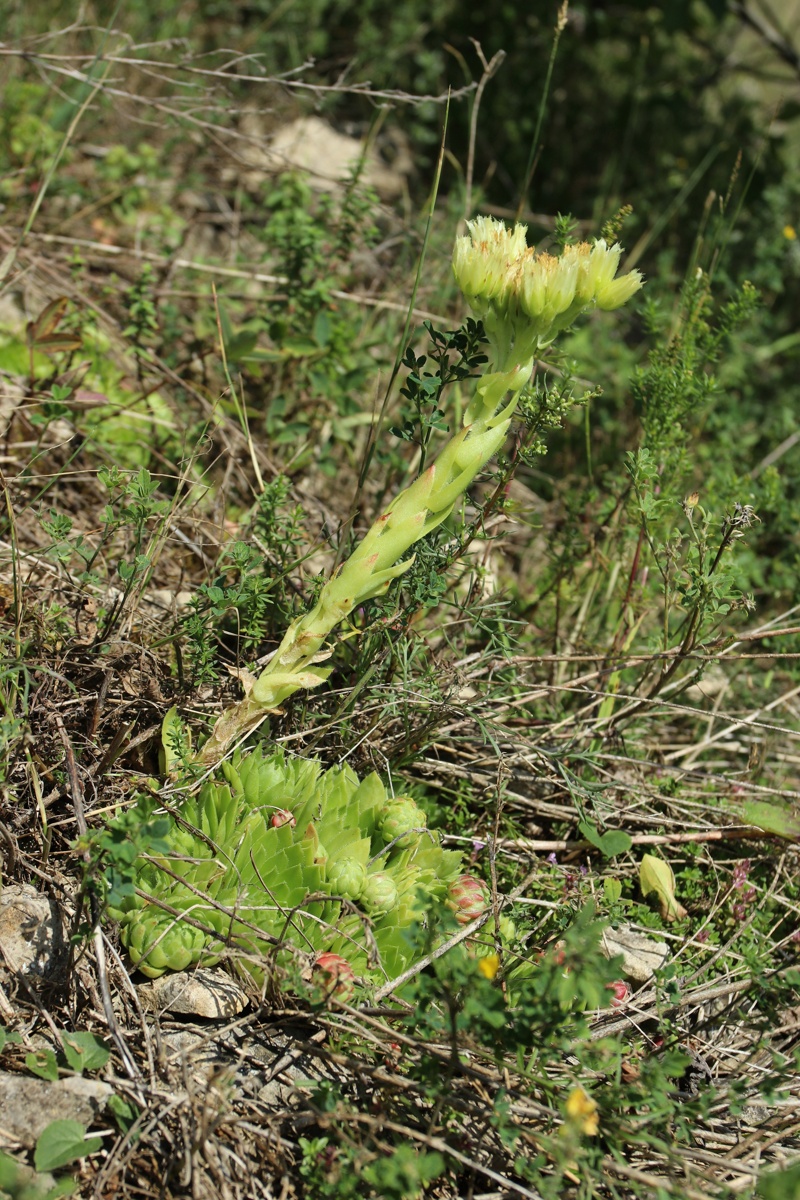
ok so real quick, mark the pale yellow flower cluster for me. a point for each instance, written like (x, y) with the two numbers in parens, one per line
(523, 298)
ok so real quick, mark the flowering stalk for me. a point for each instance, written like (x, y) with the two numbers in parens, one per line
(524, 300)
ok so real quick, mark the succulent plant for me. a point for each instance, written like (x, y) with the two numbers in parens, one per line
(344, 871)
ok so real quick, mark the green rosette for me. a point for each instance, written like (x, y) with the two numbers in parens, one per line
(349, 874)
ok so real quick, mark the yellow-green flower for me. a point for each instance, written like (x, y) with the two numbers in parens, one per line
(523, 298)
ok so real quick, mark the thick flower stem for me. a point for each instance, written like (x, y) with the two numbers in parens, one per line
(378, 559)
(524, 299)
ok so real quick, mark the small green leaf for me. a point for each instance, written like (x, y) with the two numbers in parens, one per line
(42, 1063)
(612, 890)
(610, 843)
(322, 329)
(242, 343)
(674, 1063)
(8, 1039)
(85, 1052)
(174, 735)
(780, 1185)
(124, 1111)
(61, 1143)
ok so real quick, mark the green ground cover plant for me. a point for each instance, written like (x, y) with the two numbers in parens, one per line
(384, 626)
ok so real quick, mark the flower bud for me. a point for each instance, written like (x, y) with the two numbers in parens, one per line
(468, 897)
(347, 877)
(401, 819)
(334, 974)
(280, 817)
(619, 992)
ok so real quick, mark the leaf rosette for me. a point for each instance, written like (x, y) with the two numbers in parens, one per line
(346, 871)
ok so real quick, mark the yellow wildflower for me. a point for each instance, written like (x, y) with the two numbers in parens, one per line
(489, 965)
(582, 1111)
(789, 232)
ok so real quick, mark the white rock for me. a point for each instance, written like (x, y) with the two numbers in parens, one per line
(28, 1105)
(642, 956)
(311, 145)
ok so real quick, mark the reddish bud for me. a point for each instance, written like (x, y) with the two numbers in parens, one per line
(620, 992)
(334, 974)
(468, 898)
(282, 817)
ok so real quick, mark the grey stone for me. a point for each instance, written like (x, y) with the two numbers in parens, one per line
(201, 993)
(754, 1114)
(28, 1106)
(31, 938)
(195, 1049)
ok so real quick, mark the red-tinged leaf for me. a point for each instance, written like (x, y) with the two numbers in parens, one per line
(48, 319)
(55, 342)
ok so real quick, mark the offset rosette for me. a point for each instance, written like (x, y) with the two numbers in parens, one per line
(402, 822)
(347, 877)
(380, 894)
(157, 942)
(468, 897)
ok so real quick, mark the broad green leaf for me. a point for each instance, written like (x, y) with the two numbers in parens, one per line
(615, 841)
(610, 843)
(85, 1052)
(655, 875)
(61, 1143)
(42, 1063)
(780, 1185)
(22, 1184)
(772, 819)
